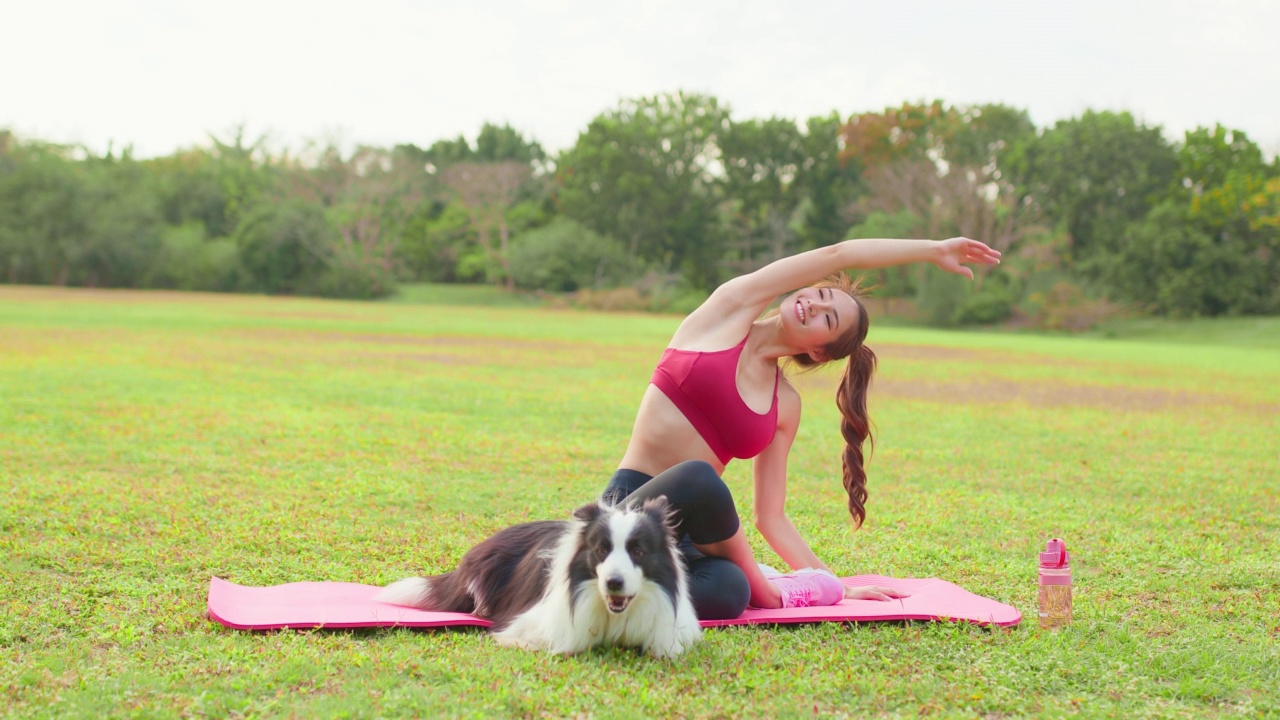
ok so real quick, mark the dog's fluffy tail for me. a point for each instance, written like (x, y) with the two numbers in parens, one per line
(412, 592)
(442, 593)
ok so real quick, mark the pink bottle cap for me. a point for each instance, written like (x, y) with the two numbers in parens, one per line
(1055, 554)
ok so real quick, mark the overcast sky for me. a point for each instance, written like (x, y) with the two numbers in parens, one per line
(160, 75)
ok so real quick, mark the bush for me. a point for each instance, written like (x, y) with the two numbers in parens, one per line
(434, 243)
(1185, 272)
(565, 256)
(356, 281)
(1066, 307)
(187, 261)
(940, 296)
(990, 303)
(280, 246)
(950, 300)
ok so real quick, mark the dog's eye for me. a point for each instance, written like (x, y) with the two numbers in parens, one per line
(636, 551)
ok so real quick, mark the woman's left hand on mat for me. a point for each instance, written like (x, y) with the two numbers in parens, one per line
(873, 592)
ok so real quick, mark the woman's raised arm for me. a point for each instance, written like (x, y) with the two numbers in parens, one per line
(807, 268)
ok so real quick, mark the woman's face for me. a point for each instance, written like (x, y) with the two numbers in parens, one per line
(817, 316)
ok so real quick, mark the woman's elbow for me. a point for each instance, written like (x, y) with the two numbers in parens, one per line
(766, 522)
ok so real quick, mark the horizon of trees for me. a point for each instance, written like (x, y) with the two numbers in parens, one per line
(670, 195)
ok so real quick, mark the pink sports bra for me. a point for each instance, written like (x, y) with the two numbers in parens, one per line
(704, 386)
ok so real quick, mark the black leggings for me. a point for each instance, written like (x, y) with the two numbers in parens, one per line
(704, 514)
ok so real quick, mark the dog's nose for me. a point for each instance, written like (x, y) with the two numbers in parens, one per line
(614, 584)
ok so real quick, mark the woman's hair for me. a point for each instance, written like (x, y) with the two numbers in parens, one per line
(851, 395)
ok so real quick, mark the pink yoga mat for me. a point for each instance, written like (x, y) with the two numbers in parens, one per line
(305, 605)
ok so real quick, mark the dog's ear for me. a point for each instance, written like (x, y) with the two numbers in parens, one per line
(659, 508)
(589, 512)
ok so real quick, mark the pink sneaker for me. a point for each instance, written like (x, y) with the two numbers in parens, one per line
(808, 589)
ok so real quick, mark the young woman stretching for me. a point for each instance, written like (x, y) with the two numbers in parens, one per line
(718, 394)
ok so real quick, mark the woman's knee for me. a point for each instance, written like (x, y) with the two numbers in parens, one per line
(702, 485)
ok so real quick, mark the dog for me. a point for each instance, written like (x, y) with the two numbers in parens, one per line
(610, 575)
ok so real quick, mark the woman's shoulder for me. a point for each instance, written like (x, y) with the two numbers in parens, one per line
(787, 390)
(789, 404)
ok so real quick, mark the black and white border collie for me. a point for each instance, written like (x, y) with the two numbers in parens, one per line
(607, 576)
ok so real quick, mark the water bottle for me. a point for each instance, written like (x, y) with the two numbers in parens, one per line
(1055, 585)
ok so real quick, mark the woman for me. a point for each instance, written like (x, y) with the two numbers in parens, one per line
(718, 394)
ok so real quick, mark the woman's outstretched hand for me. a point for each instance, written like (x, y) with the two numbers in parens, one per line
(873, 592)
(953, 254)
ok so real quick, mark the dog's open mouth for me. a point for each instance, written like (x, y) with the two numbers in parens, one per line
(618, 603)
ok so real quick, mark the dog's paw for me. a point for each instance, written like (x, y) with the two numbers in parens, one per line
(666, 651)
(516, 642)
(671, 647)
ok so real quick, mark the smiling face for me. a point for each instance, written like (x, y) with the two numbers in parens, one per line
(817, 317)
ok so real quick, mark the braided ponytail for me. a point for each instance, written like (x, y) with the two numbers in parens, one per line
(855, 426)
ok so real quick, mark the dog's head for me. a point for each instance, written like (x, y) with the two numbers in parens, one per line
(625, 546)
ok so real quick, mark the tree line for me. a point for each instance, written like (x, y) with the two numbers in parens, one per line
(671, 195)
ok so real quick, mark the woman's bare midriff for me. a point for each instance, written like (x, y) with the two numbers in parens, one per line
(667, 439)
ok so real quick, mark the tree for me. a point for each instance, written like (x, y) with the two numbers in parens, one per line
(984, 137)
(124, 224)
(434, 241)
(1096, 174)
(762, 161)
(942, 166)
(954, 202)
(504, 143)
(1212, 245)
(92, 221)
(1241, 216)
(485, 182)
(910, 131)
(643, 173)
(42, 213)
(1174, 268)
(978, 137)
(214, 186)
(495, 143)
(486, 191)
(1209, 155)
(931, 170)
(368, 197)
(829, 183)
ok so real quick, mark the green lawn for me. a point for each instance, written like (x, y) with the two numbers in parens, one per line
(1244, 331)
(149, 441)
(455, 294)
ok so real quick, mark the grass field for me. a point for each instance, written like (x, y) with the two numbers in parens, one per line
(149, 441)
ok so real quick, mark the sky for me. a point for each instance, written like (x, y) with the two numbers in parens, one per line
(159, 76)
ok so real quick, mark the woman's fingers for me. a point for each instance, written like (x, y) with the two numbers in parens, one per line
(874, 592)
(979, 251)
(961, 250)
(893, 592)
